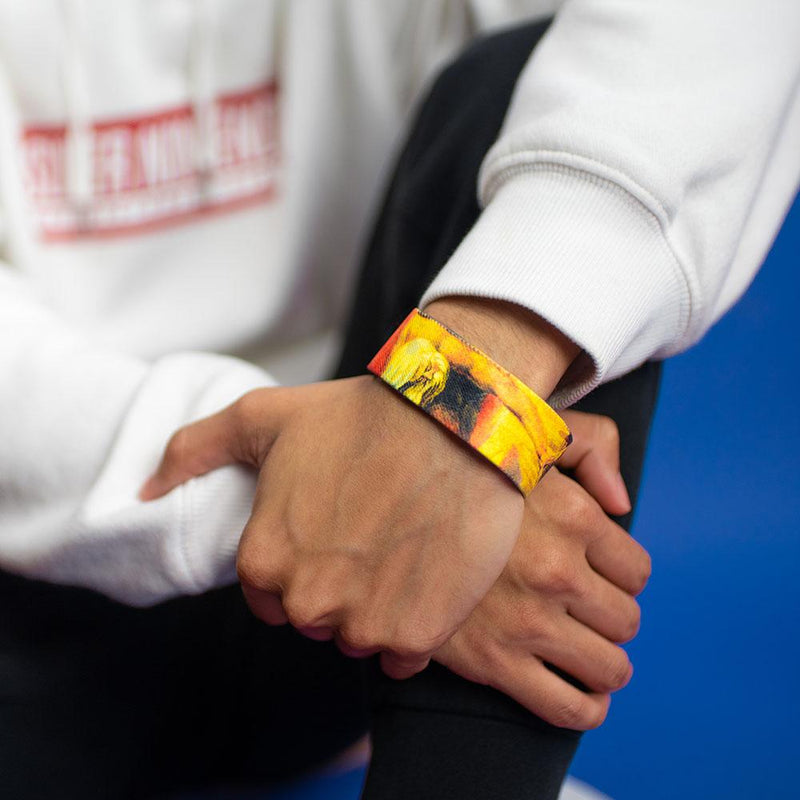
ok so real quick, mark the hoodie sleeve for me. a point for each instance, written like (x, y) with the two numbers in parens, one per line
(645, 165)
(81, 429)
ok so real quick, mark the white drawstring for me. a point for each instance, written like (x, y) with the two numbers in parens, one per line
(201, 75)
(79, 166)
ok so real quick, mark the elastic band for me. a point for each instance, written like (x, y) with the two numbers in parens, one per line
(474, 397)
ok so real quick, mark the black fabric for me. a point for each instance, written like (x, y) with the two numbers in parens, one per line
(102, 701)
(437, 735)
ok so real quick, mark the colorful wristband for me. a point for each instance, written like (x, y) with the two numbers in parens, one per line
(472, 396)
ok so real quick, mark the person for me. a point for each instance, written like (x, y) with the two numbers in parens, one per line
(584, 185)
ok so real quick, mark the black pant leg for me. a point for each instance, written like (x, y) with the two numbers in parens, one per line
(99, 701)
(437, 735)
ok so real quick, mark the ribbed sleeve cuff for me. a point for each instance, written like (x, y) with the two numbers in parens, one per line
(214, 508)
(217, 508)
(585, 255)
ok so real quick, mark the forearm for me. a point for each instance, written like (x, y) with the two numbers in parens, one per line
(626, 201)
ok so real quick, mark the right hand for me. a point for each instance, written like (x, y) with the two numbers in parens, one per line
(566, 596)
(371, 524)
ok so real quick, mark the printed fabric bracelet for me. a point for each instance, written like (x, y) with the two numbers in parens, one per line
(474, 397)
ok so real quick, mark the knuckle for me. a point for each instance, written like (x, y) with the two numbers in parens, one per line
(607, 431)
(573, 712)
(359, 636)
(249, 568)
(259, 561)
(617, 671)
(597, 714)
(562, 576)
(632, 623)
(247, 409)
(583, 512)
(266, 607)
(580, 713)
(307, 609)
(299, 612)
(176, 446)
(531, 623)
(526, 568)
(580, 589)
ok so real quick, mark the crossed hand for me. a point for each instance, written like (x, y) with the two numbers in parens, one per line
(373, 526)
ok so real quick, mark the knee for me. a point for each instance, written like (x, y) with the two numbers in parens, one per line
(491, 64)
(464, 109)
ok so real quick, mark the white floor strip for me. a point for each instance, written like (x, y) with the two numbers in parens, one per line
(573, 789)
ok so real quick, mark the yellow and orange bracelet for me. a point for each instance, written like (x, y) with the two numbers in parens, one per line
(473, 397)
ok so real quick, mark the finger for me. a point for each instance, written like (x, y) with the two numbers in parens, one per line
(353, 652)
(356, 637)
(265, 605)
(619, 558)
(605, 608)
(587, 656)
(400, 668)
(309, 610)
(263, 575)
(241, 433)
(594, 458)
(550, 697)
(317, 634)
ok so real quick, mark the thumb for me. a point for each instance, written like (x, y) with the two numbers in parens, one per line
(242, 433)
(594, 458)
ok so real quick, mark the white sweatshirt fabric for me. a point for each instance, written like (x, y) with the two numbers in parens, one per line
(184, 188)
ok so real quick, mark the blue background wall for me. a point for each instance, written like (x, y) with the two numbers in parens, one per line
(713, 708)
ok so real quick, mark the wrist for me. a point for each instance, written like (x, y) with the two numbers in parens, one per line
(516, 338)
(474, 397)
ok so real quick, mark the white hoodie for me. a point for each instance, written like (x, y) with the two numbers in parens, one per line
(181, 180)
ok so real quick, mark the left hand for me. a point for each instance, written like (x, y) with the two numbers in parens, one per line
(566, 596)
